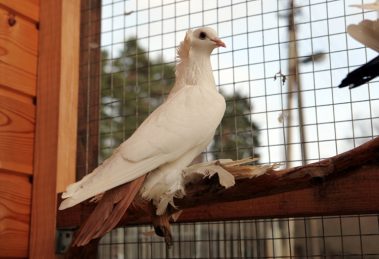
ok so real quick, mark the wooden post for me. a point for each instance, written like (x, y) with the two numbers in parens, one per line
(55, 144)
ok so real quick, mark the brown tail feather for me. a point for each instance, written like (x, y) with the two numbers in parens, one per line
(108, 212)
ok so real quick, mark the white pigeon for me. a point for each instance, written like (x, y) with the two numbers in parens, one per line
(170, 138)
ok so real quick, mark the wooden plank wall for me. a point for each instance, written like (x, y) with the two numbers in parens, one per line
(38, 118)
(18, 73)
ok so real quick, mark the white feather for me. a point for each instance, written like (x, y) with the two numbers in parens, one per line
(183, 52)
(113, 172)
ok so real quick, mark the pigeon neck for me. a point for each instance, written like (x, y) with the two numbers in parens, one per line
(200, 69)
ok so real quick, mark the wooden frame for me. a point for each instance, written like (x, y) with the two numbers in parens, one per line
(55, 144)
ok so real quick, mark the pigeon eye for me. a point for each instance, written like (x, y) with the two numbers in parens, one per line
(202, 35)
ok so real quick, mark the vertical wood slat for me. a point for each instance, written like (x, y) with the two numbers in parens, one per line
(56, 117)
(68, 103)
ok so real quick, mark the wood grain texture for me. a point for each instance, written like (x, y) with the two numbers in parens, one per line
(18, 80)
(16, 95)
(353, 194)
(52, 132)
(68, 96)
(18, 43)
(15, 197)
(42, 233)
(17, 121)
(27, 8)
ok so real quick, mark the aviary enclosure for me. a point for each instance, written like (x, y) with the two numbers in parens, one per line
(279, 75)
(275, 111)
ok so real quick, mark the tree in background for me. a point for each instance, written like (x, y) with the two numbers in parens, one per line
(237, 135)
(133, 85)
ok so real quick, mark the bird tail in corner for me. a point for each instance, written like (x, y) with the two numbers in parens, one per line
(108, 212)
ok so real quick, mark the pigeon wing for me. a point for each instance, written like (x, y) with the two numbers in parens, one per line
(179, 125)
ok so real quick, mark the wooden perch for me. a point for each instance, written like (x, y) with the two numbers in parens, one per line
(355, 175)
(273, 182)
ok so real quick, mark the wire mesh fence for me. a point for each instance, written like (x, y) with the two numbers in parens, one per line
(279, 75)
(313, 237)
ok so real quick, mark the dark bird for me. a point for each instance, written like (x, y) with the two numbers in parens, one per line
(362, 75)
(367, 33)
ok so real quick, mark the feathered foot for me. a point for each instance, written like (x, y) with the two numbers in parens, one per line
(161, 224)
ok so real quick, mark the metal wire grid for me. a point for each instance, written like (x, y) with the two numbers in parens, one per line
(335, 119)
(314, 237)
(256, 33)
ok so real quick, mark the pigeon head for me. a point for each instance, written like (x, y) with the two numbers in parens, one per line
(206, 39)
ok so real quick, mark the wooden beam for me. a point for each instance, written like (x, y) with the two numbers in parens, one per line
(343, 184)
(56, 117)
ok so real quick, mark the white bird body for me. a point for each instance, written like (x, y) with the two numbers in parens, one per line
(170, 138)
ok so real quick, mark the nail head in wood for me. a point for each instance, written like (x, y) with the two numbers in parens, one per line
(11, 20)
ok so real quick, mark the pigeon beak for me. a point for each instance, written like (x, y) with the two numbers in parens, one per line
(219, 43)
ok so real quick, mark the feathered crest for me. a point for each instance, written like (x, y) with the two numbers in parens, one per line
(182, 56)
(184, 47)
(183, 53)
